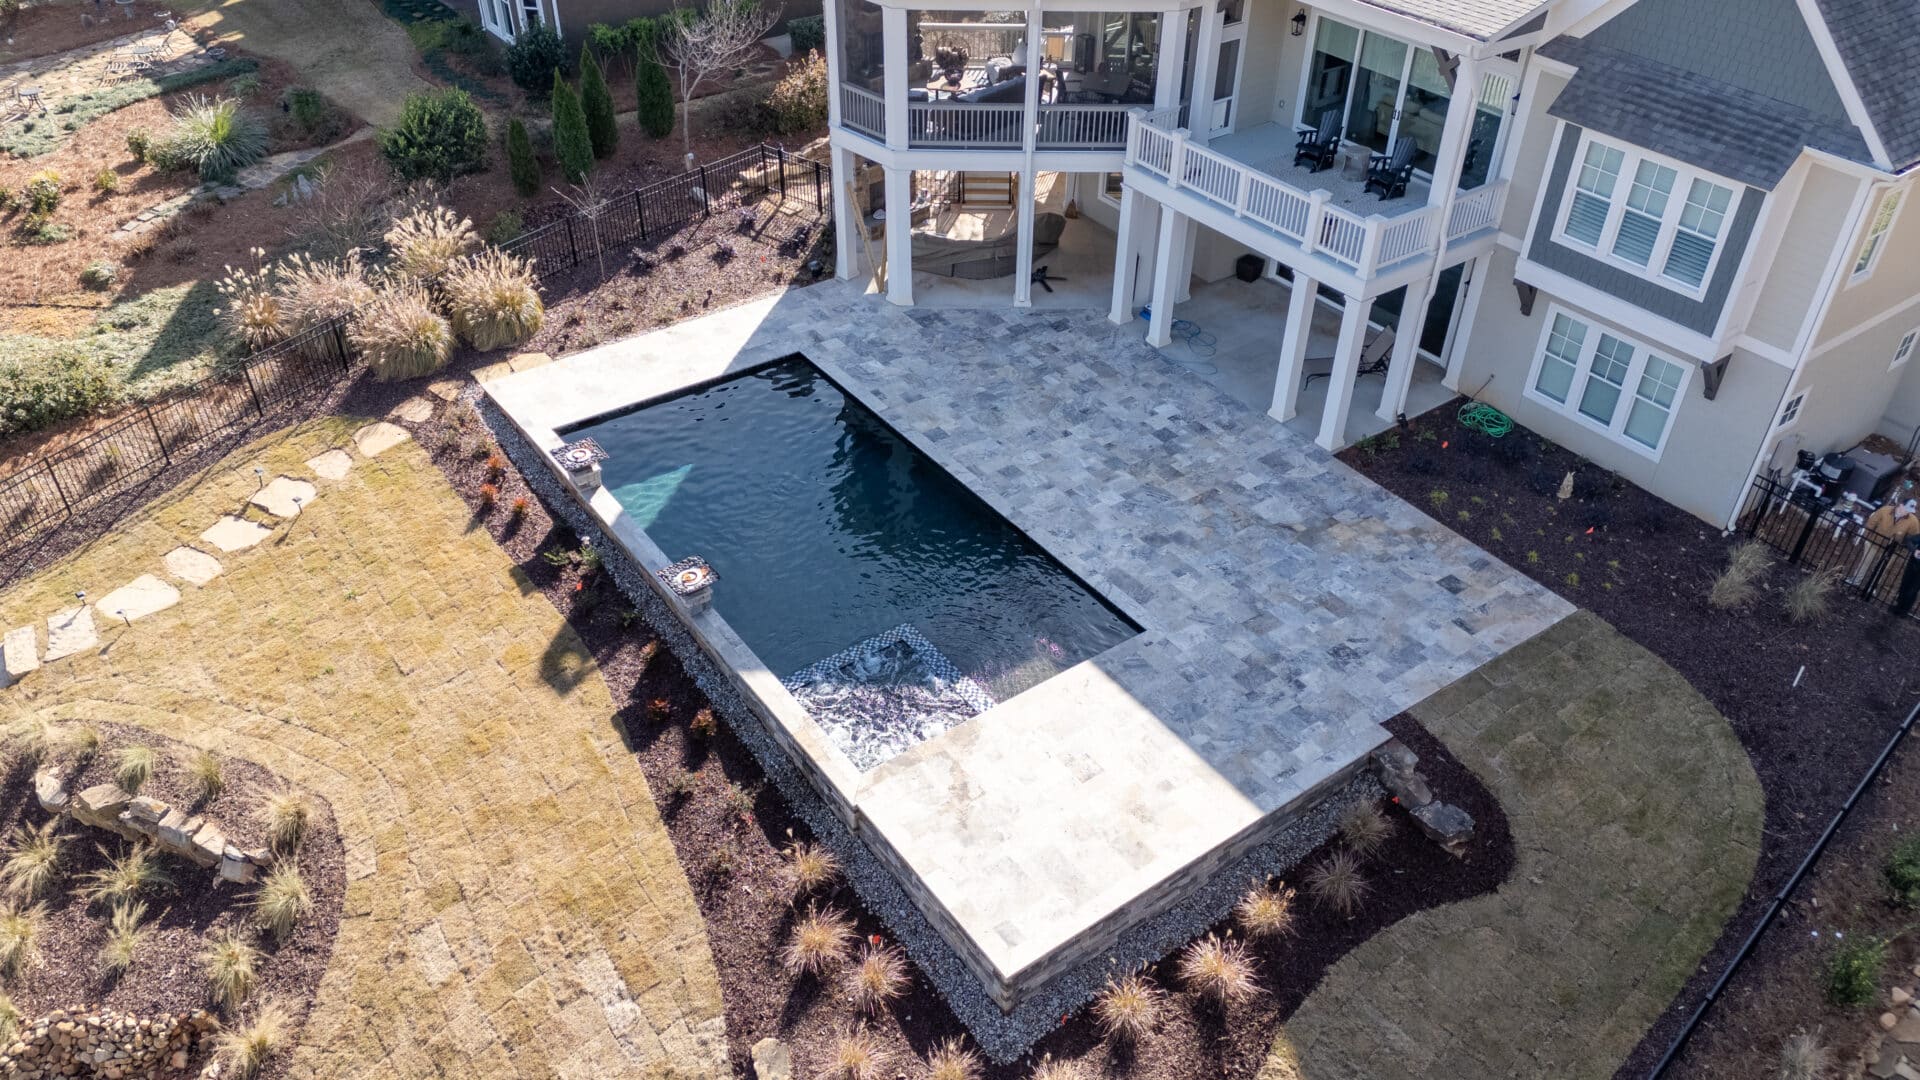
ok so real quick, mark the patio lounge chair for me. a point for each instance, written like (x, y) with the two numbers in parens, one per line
(1389, 174)
(1374, 357)
(1320, 146)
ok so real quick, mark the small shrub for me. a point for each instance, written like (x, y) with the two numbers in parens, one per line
(427, 242)
(1903, 872)
(106, 182)
(807, 34)
(99, 274)
(401, 335)
(125, 936)
(811, 868)
(532, 59)
(703, 724)
(44, 233)
(42, 193)
(489, 494)
(440, 135)
(519, 508)
(286, 815)
(493, 300)
(798, 102)
(123, 880)
(1364, 828)
(1737, 584)
(522, 166)
(740, 801)
(215, 136)
(1811, 598)
(858, 1055)
(9, 1019)
(244, 1049)
(572, 143)
(951, 1060)
(597, 101)
(232, 967)
(1128, 1009)
(1266, 911)
(139, 144)
(1337, 882)
(36, 860)
(306, 106)
(721, 862)
(1803, 1057)
(1219, 970)
(819, 942)
(38, 391)
(879, 979)
(654, 92)
(250, 306)
(504, 227)
(681, 784)
(206, 778)
(21, 929)
(282, 900)
(1853, 970)
(659, 709)
(244, 85)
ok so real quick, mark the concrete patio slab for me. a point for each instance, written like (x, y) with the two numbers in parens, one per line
(379, 437)
(139, 598)
(191, 565)
(19, 654)
(332, 465)
(70, 631)
(1289, 607)
(284, 496)
(232, 534)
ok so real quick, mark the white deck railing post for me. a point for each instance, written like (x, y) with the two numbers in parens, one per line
(1316, 220)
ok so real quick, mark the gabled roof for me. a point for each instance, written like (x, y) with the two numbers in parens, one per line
(1879, 44)
(1480, 19)
(1724, 129)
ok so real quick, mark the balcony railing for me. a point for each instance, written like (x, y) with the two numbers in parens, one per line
(957, 124)
(1365, 244)
(960, 123)
(1083, 127)
(863, 111)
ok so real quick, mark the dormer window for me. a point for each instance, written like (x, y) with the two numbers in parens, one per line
(1654, 217)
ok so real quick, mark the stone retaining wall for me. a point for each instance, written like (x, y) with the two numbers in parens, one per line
(197, 839)
(105, 1044)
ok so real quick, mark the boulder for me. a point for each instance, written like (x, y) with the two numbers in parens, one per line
(51, 789)
(1445, 824)
(772, 1060)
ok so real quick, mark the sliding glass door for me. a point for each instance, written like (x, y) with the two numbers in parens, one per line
(1373, 104)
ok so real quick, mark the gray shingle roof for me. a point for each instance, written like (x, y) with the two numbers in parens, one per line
(1480, 19)
(1723, 129)
(1879, 42)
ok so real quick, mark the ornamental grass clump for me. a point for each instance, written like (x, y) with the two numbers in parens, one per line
(1803, 1057)
(1338, 884)
(251, 308)
(286, 814)
(9, 1019)
(951, 1060)
(135, 873)
(1219, 970)
(215, 136)
(400, 335)
(80, 742)
(313, 292)
(21, 929)
(134, 768)
(36, 860)
(232, 967)
(125, 937)
(1902, 872)
(1812, 596)
(492, 300)
(1738, 583)
(282, 900)
(1128, 1009)
(879, 979)
(858, 1055)
(1364, 829)
(426, 242)
(1051, 1068)
(1266, 911)
(811, 869)
(245, 1048)
(205, 776)
(819, 942)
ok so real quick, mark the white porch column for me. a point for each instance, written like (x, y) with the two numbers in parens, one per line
(1173, 59)
(1293, 348)
(1206, 58)
(1454, 136)
(1346, 368)
(1023, 239)
(1135, 226)
(900, 236)
(893, 38)
(1183, 278)
(1478, 271)
(846, 216)
(1166, 263)
(1406, 345)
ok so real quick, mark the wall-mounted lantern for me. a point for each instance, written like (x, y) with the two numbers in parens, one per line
(1299, 22)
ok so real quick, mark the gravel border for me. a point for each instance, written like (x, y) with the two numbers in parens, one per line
(1003, 1037)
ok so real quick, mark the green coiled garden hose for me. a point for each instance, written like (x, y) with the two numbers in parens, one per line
(1485, 418)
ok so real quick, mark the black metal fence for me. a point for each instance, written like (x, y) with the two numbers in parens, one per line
(56, 487)
(1834, 538)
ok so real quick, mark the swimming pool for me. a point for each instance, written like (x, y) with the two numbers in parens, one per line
(890, 600)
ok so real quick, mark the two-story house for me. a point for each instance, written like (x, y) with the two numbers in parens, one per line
(1665, 233)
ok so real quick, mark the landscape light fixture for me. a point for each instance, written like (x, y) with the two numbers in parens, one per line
(259, 478)
(123, 618)
(1299, 22)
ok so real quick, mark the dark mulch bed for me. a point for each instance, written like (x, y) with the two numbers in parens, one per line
(1646, 568)
(729, 826)
(166, 975)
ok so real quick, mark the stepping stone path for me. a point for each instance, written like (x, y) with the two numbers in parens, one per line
(332, 465)
(414, 410)
(284, 497)
(445, 389)
(19, 654)
(1898, 1054)
(139, 598)
(235, 534)
(379, 437)
(70, 631)
(249, 179)
(192, 565)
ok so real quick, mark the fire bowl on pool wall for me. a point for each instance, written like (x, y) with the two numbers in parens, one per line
(691, 579)
(581, 459)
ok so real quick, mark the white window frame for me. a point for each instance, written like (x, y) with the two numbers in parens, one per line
(1791, 412)
(1106, 196)
(1873, 245)
(1686, 175)
(1903, 352)
(1616, 429)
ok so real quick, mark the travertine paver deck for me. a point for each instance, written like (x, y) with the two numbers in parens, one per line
(1290, 604)
(1636, 818)
(514, 906)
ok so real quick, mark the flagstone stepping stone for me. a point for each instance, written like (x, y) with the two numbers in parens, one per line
(332, 465)
(70, 631)
(235, 534)
(379, 437)
(139, 598)
(284, 496)
(191, 564)
(414, 410)
(19, 654)
(445, 389)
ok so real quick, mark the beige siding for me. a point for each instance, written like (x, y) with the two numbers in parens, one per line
(1272, 57)
(1903, 412)
(1794, 275)
(1850, 386)
(1710, 447)
(1536, 144)
(1896, 280)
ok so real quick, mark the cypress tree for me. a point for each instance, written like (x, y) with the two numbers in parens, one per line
(572, 146)
(521, 164)
(656, 96)
(597, 100)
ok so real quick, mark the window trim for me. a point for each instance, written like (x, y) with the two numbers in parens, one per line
(1796, 404)
(1106, 196)
(1615, 430)
(1685, 178)
(1903, 351)
(1877, 237)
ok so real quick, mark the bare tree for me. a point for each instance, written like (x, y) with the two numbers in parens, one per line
(699, 46)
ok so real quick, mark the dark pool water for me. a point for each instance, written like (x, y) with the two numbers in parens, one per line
(892, 600)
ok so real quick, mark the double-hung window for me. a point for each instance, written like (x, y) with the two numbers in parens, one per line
(1608, 382)
(1903, 352)
(1885, 213)
(1652, 217)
